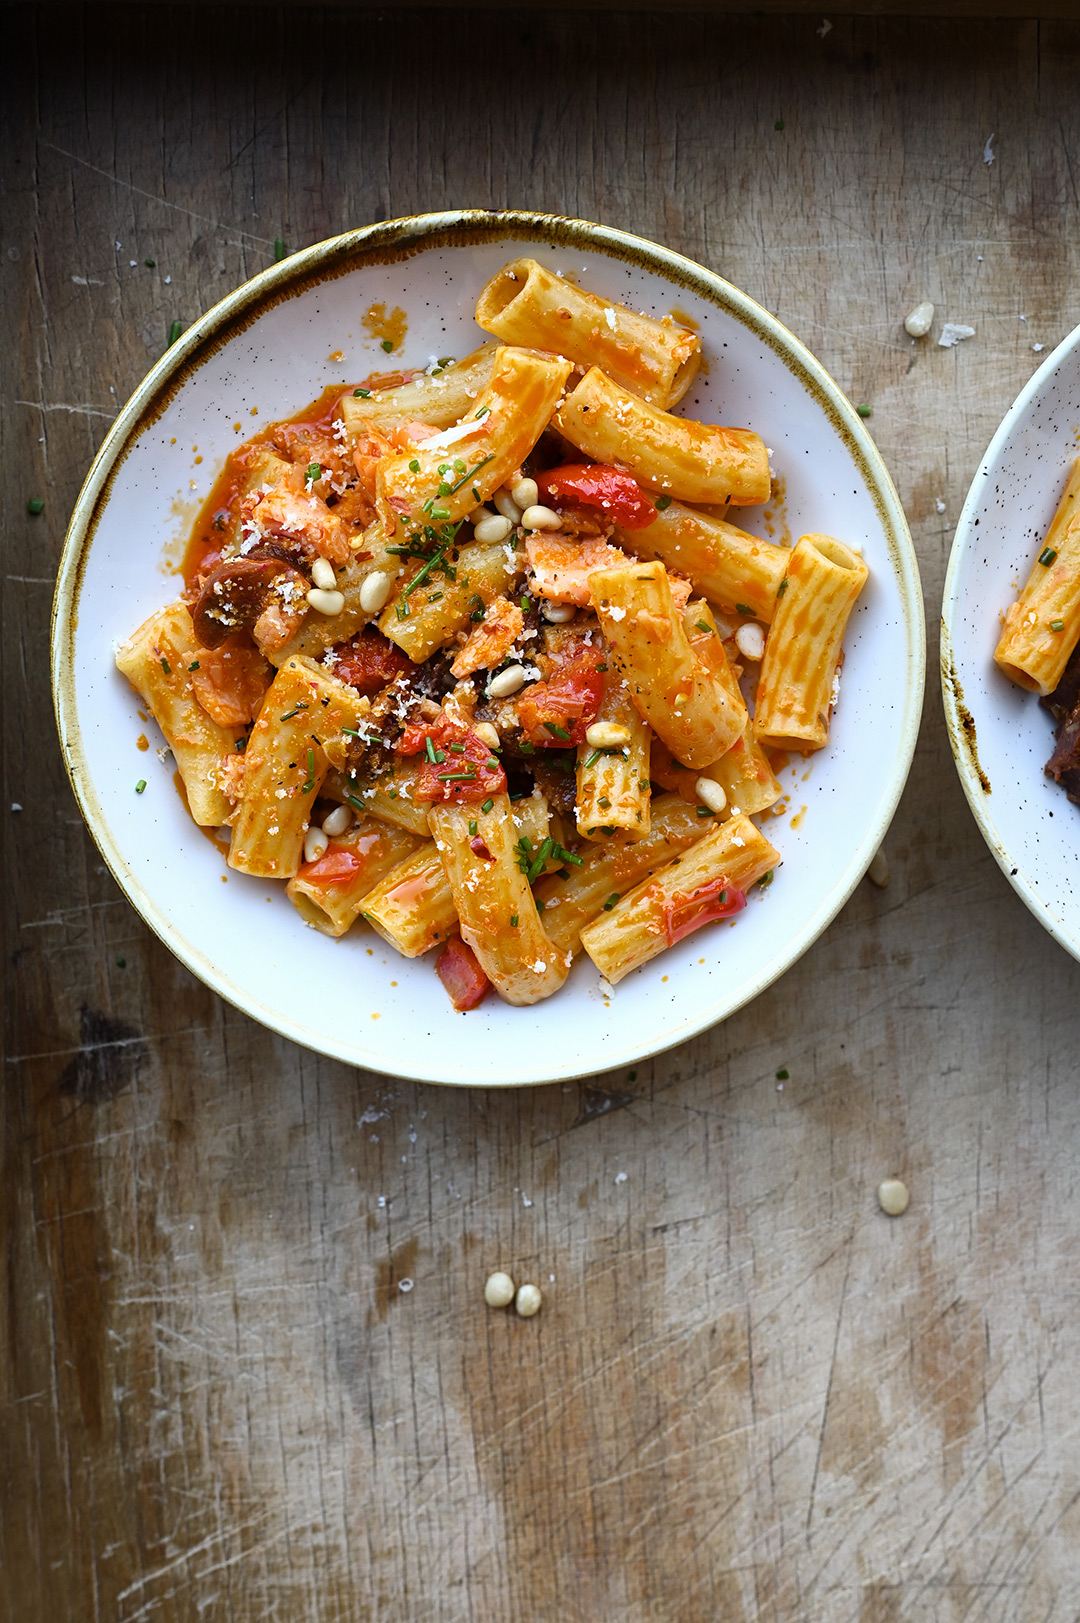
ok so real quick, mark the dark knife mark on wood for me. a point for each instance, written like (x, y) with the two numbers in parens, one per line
(110, 1056)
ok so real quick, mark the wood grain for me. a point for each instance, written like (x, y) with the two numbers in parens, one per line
(748, 1395)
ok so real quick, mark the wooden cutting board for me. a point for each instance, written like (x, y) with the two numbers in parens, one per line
(748, 1394)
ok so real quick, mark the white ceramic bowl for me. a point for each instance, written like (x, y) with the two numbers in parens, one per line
(1001, 736)
(267, 347)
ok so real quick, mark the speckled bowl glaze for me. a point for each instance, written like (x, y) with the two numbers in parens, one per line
(268, 348)
(1001, 736)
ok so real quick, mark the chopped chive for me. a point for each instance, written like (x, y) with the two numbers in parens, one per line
(526, 748)
(194, 665)
(473, 470)
(388, 344)
(240, 746)
(289, 714)
(601, 667)
(150, 263)
(458, 749)
(525, 605)
(359, 804)
(362, 394)
(486, 807)
(483, 412)
(455, 777)
(782, 588)
(783, 1074)
(429, 748)
(607, 828)
(35, 506)
(610, 903)
(661, 502)
(175, 330)
(568, 856)
(779, 124)
(743, 608)
(414, 465)
(314, 471)
(865, 411)
(121, 963)
(492, 761)
(140, 786)
(403, 610)
(1057, 625)
(557, 732)
(165, 667)
(310, 784)
(476, 493)
(391, 794)
(703, 625)
(440, 757)
(474, 827)
(513, 921)
(604, 803)
(1047, 556)
(279, 249)
(705, 811)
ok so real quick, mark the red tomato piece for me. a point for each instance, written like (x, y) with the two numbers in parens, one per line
(687, 911)
(595, 484)
(368, 661)
(457, 968)
(336, 866)
(567, 702)
(438, 780)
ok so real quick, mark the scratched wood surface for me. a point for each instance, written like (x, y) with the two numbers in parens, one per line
(749, 1395)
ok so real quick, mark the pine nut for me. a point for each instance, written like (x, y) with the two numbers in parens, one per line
(607, 735)
(525, 493)
(711, 794)
(488, 734)
(495, 528)
(540, 518)
(507, 682)
(499, 1290)
(507, 506)
(878, 871)
(558, 614)
(920, 320)
(893, 1197)
(315, 844)
(375, 591)
(328, 603)
(478, 513)
(750, 641)
(527, 1301)
(337, 822)
(322, 573)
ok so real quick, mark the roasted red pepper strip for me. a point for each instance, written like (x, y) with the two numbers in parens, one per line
(439, 780)
(368, 661)
(688, 911)
(595, 484)
(336, 866)
(555, 714)
(457, 968)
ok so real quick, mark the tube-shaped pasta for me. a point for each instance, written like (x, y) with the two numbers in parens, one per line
(495, 906)
(443, 605)
(682, 699)
(613, 783)
(525, 303)
(743, 771)
(736, 570)
(694, 462)
(412, 907)
(659, 910)
(439, 399)
(609, 871)
(511, 413)
(387, 797)
(284, 766)
(796, 687)
(329, 894)
(1043, 626)
(157, 661)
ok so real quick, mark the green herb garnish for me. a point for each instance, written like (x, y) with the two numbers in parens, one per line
(610, 903)
(35, 506)
(289, 714)
(140, 786)
(660, 502)
(1047, 556)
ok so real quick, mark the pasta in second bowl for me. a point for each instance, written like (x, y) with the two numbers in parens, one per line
(585, 395)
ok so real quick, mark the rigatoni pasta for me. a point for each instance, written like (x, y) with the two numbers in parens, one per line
(481, 701)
